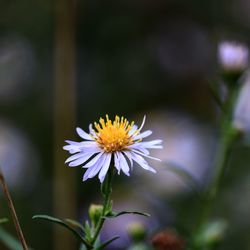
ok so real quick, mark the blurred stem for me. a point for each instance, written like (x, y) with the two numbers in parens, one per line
(64, 185)
(228, 137)
(221, 163)
(106, 190)
(13, 211)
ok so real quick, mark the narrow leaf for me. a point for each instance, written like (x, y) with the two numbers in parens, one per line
(116, 214)
(74, 223)
(107, 243)
(62, 223)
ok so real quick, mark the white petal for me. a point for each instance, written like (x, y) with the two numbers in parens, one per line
(73, 142)
(127, 153)
(81, 160)
(73, 151)
(93, 170)
(105, 167)
(133, 129)
(86, 155)
(80, 145)
(87, 144)
(91, 130)
(150, 157)
(117, 163)
(149, 144)
(142, 162)
(74, 157)
(71, 147)
(143, 135)
(93, 161)
(123, 163)
(143, 122)
(95, 149)
(139, 147)
(83, 134)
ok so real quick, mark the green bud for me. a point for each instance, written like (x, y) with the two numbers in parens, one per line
(136, 231)
(95, 212)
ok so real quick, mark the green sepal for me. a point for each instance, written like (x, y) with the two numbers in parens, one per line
(3, 220)
(95, 213)
(106, 243)
(117, 214)
(88, 231)
(63, 223)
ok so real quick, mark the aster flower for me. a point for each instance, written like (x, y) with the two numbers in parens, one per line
(233, 56)
(119, 141)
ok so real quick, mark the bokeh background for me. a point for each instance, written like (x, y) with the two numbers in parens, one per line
(66, 63)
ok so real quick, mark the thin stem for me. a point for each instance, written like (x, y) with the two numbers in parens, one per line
(13, 211)
(228, 136)
(221, 164)
(107, 200)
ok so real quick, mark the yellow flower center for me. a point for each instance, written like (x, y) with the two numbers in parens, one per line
(114, 136)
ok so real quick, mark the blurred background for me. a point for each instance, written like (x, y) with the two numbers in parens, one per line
(65, 63)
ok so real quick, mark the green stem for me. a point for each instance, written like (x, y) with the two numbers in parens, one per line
(228, 137)
(107, 190)
(221, 163)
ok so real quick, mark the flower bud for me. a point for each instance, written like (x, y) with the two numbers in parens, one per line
(136, 231)
(95, 212)
(233, 57)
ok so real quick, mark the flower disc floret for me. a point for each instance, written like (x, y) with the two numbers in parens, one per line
(112, 137)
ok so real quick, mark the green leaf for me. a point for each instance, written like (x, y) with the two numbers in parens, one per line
(107, 243)
(74, 223)
(3, 220)
(116, 214)
(62, 223)
(9, 241)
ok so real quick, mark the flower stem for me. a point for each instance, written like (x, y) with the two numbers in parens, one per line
(222, 158)
(106, 190)
(13, 211)
(228, 137)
